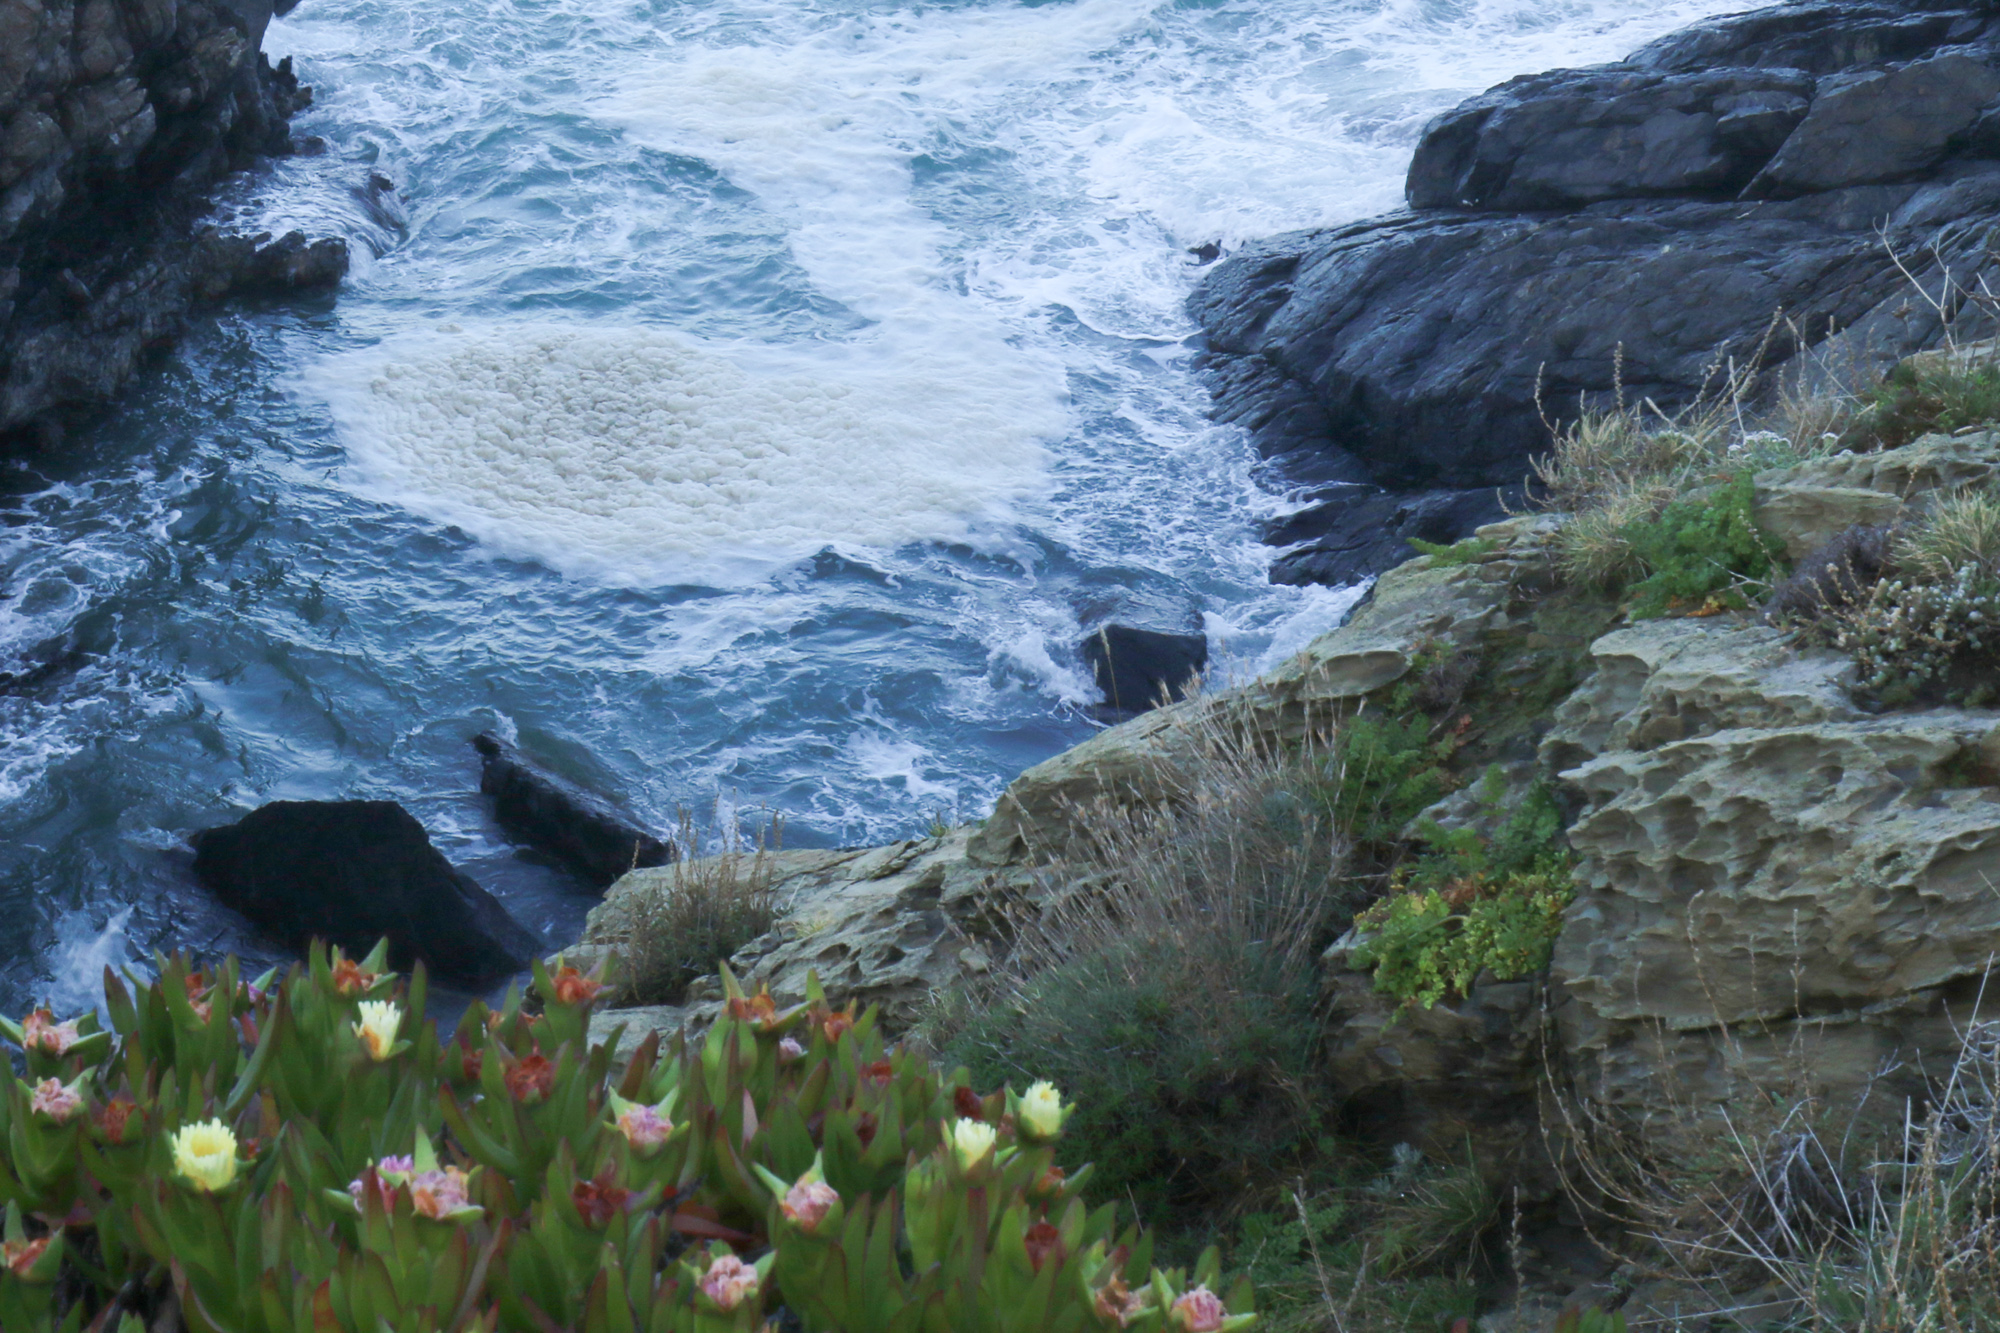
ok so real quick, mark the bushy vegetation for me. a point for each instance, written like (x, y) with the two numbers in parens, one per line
(1937, 400)
(1169, 982)
(307, 1155)
(1471, 903)
(1661, 506)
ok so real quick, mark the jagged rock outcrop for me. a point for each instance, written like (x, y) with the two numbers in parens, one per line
(1652, 215)
(881, 925)
(1773, 883)
(116, 119)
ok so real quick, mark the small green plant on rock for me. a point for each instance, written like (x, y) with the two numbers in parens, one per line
(1471, 903)
(1703, 553)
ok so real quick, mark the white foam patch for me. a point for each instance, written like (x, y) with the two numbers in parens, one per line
(84, 947)
(903, 765)
(636, 455)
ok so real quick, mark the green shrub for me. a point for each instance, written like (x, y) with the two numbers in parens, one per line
(310, 1156)
(1169, 980)
(1912, 404)
(1472, 902)
(1427, 944)
(1704, 552)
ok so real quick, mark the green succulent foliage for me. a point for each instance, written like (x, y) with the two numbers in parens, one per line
(1472, 902)
(306, 1154)
(1704, 550)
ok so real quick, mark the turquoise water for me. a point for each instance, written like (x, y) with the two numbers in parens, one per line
(746, 404)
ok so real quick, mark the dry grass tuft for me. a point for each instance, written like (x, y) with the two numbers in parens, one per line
(716, 898)
(1957, 530)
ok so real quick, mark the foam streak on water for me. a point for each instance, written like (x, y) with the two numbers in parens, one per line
(761, 401)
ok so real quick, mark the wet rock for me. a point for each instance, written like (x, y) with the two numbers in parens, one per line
(1658, 210)
(1356, 532)
(117, 117)
(1138, 669)
(555, 815)
(353, 872)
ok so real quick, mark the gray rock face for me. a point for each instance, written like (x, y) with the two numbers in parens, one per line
(1761, 865)
(1668, 205)
(116, 117)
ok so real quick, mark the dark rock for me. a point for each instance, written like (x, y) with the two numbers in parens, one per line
(1579, 137)
(1206, 253)
(291, 263)
(1139, 669)
(354, 872)
(1880, 124)
(1360, 531)
(1435, 348)
(555, 815)
(117, 117)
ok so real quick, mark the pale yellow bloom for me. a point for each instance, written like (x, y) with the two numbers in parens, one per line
(973, 1141)
(205, 1154)
(377, 1028)
(1040, 1115)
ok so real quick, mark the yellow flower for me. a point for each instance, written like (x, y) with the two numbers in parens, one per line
(1040, 1113)
(972, 1140)
(205, 1154)
(377, 1028)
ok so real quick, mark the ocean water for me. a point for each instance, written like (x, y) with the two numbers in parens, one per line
(746, 404)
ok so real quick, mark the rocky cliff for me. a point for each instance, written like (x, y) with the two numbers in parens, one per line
(1768, 869)
(117, 117)
(1644, 220)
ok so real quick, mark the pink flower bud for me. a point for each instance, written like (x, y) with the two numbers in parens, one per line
(729, 1282)
(808, 1202)
(1199, 1311)
(55, 1101)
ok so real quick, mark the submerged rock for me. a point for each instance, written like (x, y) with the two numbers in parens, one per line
(555, 815)
(1629, 224)
(353, 872)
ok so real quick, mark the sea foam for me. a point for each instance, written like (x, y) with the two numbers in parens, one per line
(637, 455)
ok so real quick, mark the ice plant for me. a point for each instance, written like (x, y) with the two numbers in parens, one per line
(40, 1032)
(1039, 1112)
(644, 1127)
(972, 1140)
(442, 1195)
(57, 1100)
(729, 1282)
(380, 1020)
(389, 1173)
(572, 987)
(349, 979)
(21, 1255)
(205, 1155)
(530, 1080)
